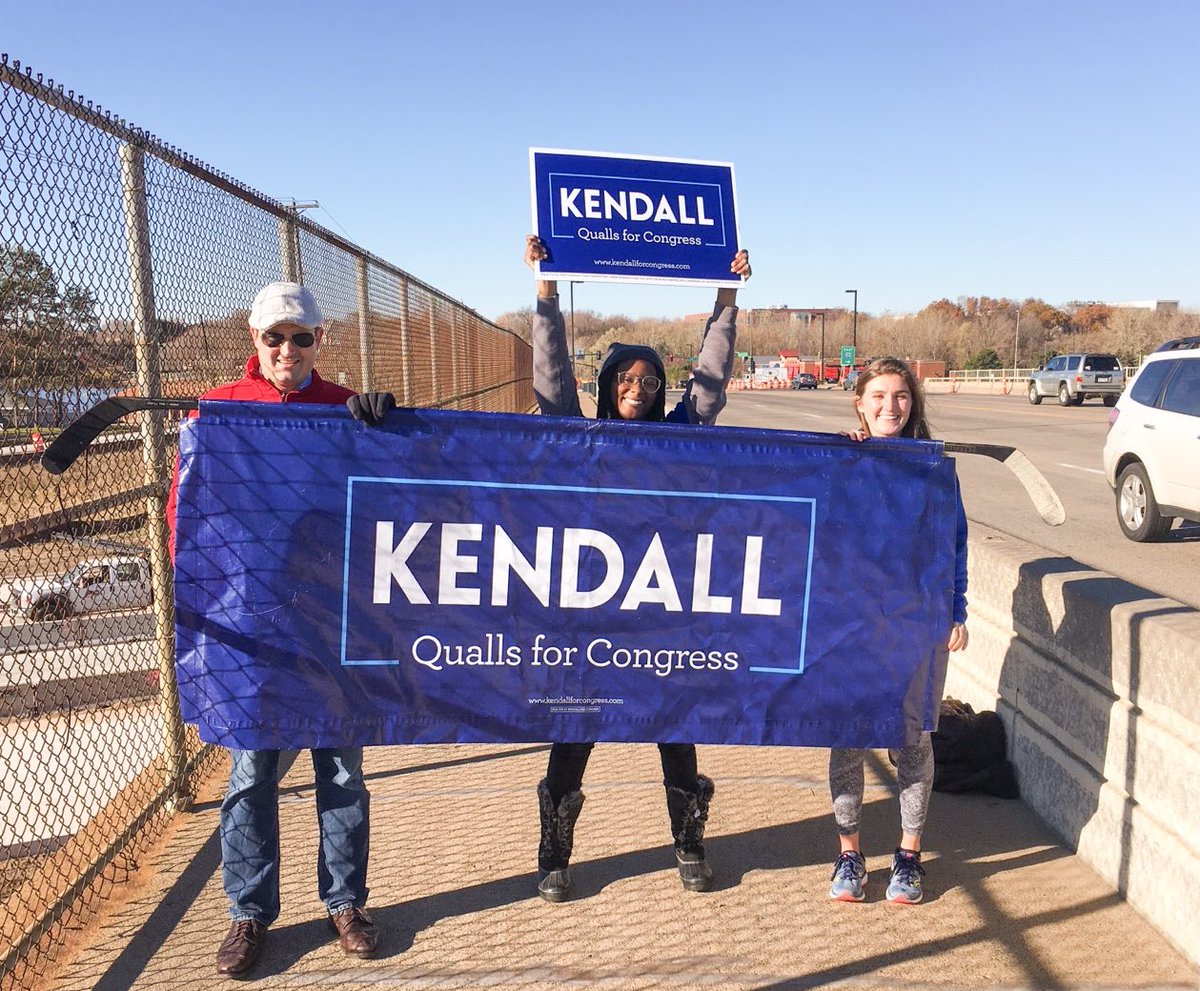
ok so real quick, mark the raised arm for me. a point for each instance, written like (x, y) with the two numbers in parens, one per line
(553, 381)
(704, 397)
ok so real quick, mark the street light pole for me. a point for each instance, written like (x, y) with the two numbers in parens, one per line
(854, 339)
(1016, 340)
(574, 370)
(821, 374)
(750, 330)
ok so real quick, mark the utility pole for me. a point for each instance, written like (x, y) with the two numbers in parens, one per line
(289, 236)
(1017, 340)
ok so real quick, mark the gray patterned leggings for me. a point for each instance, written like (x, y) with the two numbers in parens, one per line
(914, 772)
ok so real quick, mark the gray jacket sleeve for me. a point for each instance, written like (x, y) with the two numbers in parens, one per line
(553, 383)
(704, 396)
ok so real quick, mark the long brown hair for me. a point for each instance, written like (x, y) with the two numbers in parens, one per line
(916, 426)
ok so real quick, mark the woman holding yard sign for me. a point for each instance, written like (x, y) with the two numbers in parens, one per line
(631, 386)
(890, 403)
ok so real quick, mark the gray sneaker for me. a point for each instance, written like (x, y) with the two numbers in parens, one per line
(905, 886)
(849, 877)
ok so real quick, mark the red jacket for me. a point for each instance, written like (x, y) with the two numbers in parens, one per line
(254, 388)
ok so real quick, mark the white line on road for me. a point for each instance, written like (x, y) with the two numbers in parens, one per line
(1090, 471)
(812, 416)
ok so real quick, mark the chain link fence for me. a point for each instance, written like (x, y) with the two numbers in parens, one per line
(127, 266)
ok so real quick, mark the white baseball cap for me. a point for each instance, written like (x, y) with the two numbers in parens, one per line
(285, 302)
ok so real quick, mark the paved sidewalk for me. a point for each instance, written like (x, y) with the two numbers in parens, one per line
(455, 833)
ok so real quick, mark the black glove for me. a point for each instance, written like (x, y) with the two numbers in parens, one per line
(370, 407)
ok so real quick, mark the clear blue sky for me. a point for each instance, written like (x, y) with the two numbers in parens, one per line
(911, 150)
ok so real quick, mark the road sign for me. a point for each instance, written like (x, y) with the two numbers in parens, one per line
(847, 354)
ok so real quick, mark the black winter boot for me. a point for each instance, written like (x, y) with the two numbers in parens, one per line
(558, 836)
(689, 813)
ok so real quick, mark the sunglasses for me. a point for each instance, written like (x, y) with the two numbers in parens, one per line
(274, 339)
(648, 382)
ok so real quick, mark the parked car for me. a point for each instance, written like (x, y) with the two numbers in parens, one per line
(850, 380)
(804, 380)
(1076, 377)
(96, 585)
(1152, 452)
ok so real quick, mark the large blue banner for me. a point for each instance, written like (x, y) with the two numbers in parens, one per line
(480, 577)
(634, 219)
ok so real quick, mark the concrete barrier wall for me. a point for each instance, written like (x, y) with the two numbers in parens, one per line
(1098, 683)
(979, 387)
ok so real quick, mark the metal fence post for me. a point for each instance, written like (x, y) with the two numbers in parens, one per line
(405, 353)
(455, 363)
(364, 322)
(433, 352)
(148, 358)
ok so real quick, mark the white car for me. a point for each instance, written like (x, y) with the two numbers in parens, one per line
(1152, 452)
(97, 585)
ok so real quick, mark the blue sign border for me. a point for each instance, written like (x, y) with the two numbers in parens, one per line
(352, 480)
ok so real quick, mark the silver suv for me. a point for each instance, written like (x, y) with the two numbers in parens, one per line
(1152, 452)
(1076, 377)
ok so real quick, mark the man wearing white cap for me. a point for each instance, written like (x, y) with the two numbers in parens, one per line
(286, 330)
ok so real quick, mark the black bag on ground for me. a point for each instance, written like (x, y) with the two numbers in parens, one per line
(969, 752)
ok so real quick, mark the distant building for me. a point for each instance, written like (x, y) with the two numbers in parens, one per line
(774, 315)
(1154, 305)
(783, 314)
(791, 363)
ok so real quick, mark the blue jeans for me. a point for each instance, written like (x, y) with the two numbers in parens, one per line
(250, 831)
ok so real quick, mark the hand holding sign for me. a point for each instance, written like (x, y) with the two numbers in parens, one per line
(740, 266)
(535, 252)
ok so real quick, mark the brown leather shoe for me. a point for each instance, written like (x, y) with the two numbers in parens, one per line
(243, 944)
(357, 934)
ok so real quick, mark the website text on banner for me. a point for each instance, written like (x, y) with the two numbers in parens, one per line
(465, 577)
(610, 218)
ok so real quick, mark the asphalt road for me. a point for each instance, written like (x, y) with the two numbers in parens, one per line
(1065, 443)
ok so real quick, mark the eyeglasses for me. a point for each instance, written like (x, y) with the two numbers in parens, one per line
(648, 382)
(274, 339)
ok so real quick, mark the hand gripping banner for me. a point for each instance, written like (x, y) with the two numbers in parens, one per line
(470, 577)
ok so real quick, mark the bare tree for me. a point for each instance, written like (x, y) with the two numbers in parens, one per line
(520, 322)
